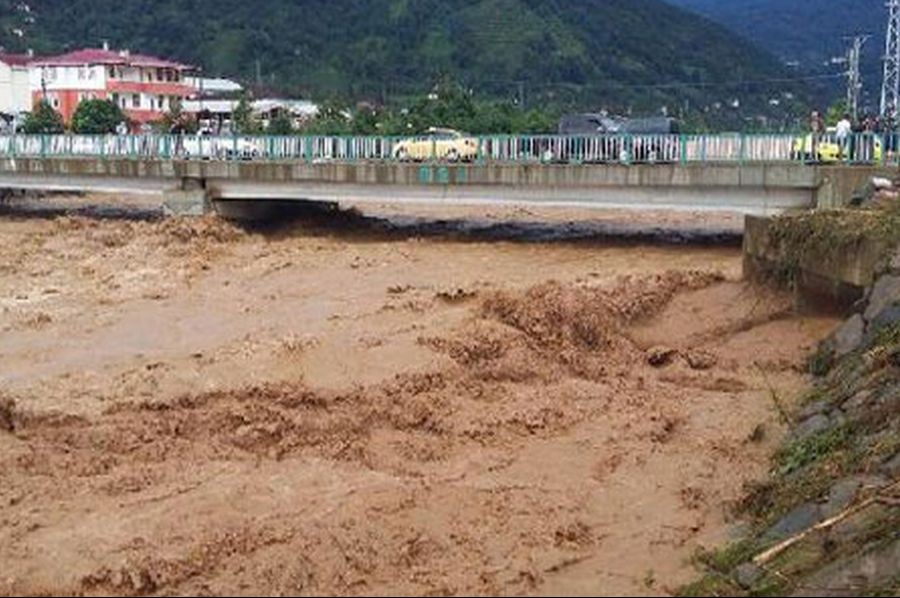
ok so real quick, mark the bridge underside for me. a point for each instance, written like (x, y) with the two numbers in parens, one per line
(749, 189)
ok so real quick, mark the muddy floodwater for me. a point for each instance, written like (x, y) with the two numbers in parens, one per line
(413, 402)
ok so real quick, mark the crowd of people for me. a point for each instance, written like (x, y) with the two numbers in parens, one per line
(862, 139)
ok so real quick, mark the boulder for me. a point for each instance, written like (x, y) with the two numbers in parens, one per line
(885, 293)
(801, 518)
(857, 401)
(661, 356)
(812, 425)
(819, 407)
(882, 183)
(701, 360)
(891, 467)
(849, 336)
(886, 317)
(748, 574)
(844, 492)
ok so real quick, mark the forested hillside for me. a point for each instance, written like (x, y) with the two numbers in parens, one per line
(806, 32)
(622, 53)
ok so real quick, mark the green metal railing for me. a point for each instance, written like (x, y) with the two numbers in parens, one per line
(615, 149)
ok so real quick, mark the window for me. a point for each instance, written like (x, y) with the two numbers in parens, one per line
(136, 100)
(82, 73)
(159, 74)
(112, 72)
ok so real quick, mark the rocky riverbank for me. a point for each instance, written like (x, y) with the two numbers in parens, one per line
(827, 521)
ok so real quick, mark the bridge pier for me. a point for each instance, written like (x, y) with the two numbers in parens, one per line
(190, 198)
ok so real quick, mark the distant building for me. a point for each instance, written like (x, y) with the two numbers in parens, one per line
(15, 89)
(145, 87)
(216, 115)
(214, 88)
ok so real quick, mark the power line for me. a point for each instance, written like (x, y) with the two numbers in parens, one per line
(890, 91)
(690, 84)
(854, 79)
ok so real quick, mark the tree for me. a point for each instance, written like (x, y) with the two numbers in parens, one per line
(43, 120)
(97, 117)
(176, 120)
(835, 113)
(245, 122)
(281, 124)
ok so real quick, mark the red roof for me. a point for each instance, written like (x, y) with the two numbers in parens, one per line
(94, 56)
(16, 59)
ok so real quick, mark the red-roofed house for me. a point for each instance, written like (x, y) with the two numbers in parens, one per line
(143, 86)
(15, 89)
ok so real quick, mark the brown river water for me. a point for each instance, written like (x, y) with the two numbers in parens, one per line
(416, 401)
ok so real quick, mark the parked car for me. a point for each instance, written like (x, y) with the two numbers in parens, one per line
(205, 147)
(437, 144)
(860, 148)
(637, 140)
(12, 123)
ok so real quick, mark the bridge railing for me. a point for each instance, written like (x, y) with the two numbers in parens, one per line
(864, 148)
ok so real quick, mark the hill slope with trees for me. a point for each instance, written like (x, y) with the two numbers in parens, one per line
(806, 32)
(620, 53)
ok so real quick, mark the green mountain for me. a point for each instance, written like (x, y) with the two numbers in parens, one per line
(621, 53)
(806, 33)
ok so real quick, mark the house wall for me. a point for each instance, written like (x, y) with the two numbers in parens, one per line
(15, 89)
(145, 94)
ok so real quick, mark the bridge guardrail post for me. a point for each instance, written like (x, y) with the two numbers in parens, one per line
(742, 156)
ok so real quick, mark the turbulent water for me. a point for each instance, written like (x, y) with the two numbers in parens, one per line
(376, 402)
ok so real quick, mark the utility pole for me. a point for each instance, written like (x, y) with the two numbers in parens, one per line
(890, 91)
(854, 79)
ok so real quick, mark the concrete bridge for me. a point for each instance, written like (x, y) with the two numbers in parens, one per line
(241, 188)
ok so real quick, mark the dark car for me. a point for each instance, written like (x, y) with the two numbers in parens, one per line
(618, 139)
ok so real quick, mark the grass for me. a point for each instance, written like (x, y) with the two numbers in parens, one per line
(811, 449)
(725, 559)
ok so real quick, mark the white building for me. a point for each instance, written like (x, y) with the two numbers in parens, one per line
(211, 87)
(216, 115)
(15, 88)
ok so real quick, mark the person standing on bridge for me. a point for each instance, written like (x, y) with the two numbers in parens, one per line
(843, 133)
(817, 129)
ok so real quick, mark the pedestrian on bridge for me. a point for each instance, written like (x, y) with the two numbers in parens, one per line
(843, 134)
(817, 129)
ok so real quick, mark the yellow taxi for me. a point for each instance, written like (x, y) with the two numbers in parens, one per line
(437, 144)
(861, 148)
